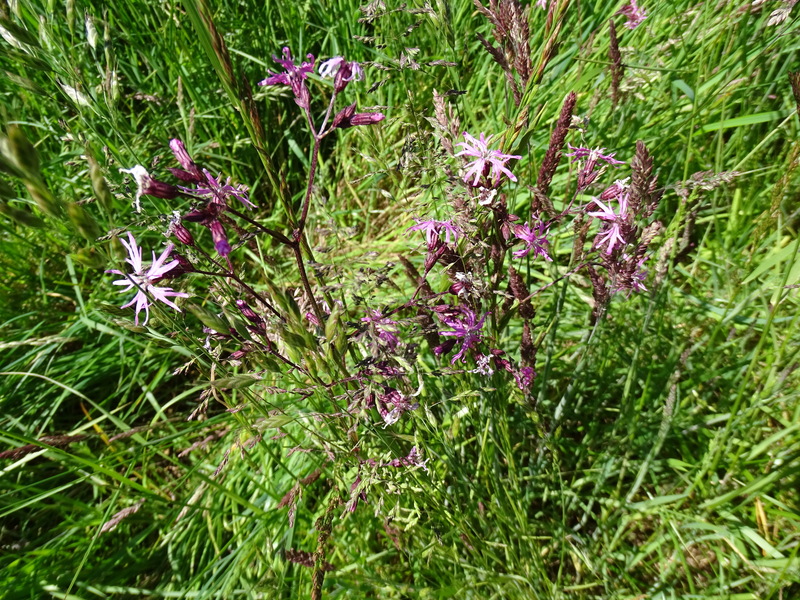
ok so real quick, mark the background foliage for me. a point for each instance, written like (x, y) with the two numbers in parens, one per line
(659, 455)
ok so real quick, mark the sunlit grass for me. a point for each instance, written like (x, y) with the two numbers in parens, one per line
(658, 455)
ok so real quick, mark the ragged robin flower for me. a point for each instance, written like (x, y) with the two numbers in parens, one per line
(434, 229)
(488, 164)
(535, 241)
(466, 327)
(144, 278)
(294, 76)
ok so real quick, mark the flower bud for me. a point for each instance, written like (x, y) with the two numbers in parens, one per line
(367, 118)
(184, 235)
(190, 169)
(343, 116)
(220, 238)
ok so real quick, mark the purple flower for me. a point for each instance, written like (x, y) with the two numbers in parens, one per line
(294, 76)
(524, 378)
(433, 229)
(634, 13)
(486, 161)
(143, 279)
(589, 157)
(639, 275)
(398, 402)
(631, 275)
(385, 327)
(219, 192)
(414, 459)
(592, 155)
(611, 234)
(466, 327)
(535, 241)
(292, 71)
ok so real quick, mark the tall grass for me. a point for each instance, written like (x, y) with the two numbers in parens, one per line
(657, 456)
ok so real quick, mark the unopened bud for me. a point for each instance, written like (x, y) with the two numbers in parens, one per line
(366, 118)
(344, 115)
(220, 238)
(248, 312)
(190, 168)
(302, 96)
(184, 235)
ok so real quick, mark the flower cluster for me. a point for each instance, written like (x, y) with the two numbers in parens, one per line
(342, 71)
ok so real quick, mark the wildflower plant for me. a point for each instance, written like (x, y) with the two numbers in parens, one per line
(356, 359)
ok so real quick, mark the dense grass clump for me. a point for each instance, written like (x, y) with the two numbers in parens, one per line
(555, 357)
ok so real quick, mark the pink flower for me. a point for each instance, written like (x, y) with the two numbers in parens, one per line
(634, 13)
(592, 155)
(294, 76)
(466, 327)
(486, 161)
(588, 159)
(414, 459)
(385, 327)
(611, 234)
(433, 229)
(342, 71)
(535, 241)
(292, 73)
(219, 191)
(143, 279)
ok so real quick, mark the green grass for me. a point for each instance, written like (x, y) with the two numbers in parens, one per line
(659, 455)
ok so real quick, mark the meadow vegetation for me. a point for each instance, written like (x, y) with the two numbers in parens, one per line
(553, 358)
